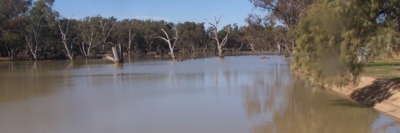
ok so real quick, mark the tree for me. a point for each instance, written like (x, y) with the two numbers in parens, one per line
(200, 36)
(188, 37)
(64, 39)
(255, 32)
(123, 34)
(40, 15)
(262, 33)
(281, 38)
(91, 34)
(286, 11)
(12, 23)
(168, 40)
(215, 31)
(104, 28)
(131, 36)
(234, 40)
(149, 33)
(333, 31)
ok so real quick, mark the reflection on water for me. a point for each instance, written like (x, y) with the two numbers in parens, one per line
(146, 95)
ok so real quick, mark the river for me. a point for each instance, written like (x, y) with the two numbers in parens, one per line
(237, 94)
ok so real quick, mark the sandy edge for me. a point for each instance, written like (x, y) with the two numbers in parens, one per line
(390, 106)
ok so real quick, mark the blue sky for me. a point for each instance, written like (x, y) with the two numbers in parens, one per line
(232, 11)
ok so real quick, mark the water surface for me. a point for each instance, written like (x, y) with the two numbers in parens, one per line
(238, 94)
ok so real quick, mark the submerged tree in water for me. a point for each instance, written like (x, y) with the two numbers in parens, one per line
(332, 31)
(168, 40)
(220, 44)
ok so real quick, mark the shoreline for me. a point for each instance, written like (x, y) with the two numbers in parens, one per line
(380, 94)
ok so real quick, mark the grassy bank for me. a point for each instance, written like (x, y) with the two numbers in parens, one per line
(383, 69)
(379, 88)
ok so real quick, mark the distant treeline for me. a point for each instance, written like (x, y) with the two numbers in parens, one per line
(32, 29)
(332, 40)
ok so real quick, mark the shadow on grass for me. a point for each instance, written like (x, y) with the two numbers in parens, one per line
(377, 92)
(346, 103)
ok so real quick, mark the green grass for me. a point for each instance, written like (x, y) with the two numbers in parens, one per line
(386, 70)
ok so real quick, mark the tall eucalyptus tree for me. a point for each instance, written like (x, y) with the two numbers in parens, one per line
(40, 17)
(12, 26)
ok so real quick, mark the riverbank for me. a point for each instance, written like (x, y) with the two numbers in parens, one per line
(380, 94)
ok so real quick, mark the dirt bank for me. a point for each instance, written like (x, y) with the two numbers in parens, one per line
(381, 94)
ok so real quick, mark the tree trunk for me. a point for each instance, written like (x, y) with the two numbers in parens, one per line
(168, 40)
(131, 37)
(240, 48)
(279, 49)
(172, 53)
(293, 45)
(10, 52)
(287, 48)
(64, 39)
(251, 47)
(91, 41)
(34, 56)
(88, 52)
(205, 49)
(194, 49)
(220, 52)
(117, 53)
(215, 31)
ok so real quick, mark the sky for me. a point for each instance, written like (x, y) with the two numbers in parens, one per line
(232, 11)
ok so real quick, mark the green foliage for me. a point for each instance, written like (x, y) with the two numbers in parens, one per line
(387, 70)
(263, 34)
(12, 24)
(191, 35)
(332, 31)
(34, 30)
(288, 12)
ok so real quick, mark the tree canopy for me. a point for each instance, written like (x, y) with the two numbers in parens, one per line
(332, 33)
(288, 12)
(34, 30)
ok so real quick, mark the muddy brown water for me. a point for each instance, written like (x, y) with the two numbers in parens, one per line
(238, 94)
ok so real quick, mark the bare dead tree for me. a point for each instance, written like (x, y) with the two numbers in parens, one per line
(215, 31)
(168, 40)
(64, 39)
